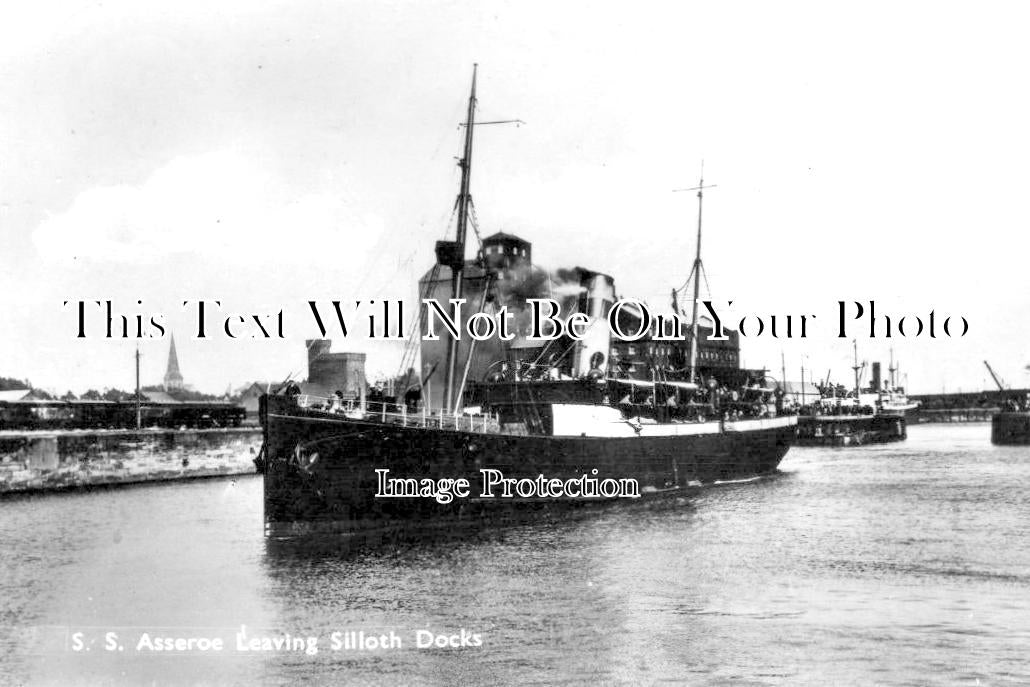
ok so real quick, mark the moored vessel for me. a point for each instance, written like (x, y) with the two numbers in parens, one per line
(873, 415)
(527, 427)
(1010, 426)
(837, 428)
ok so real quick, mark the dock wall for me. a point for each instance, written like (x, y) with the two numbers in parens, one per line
(43, 461)
(977, 414)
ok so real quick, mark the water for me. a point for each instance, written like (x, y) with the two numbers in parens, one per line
(905, 564)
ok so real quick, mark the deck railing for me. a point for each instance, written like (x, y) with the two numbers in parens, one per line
(400, 414)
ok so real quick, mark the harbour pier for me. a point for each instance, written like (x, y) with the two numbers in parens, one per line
(35, 461)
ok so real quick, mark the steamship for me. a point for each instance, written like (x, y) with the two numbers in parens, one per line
(668, 415)
(874, 415)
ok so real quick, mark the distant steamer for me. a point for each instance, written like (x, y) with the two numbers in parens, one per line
(874, 415)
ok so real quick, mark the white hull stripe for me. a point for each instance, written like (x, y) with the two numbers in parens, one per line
(624, 428)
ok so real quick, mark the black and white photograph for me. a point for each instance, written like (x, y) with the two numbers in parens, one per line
(398, 342)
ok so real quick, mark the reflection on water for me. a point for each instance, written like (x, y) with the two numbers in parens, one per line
(883, 565)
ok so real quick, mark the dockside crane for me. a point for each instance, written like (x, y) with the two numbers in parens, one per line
(997, 380)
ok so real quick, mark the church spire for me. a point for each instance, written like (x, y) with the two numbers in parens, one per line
(173, 378)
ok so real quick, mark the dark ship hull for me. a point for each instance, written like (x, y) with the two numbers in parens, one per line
(320, 469)
(1010, 428)
(851, 430)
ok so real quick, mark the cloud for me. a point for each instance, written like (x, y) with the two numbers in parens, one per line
(220, 205)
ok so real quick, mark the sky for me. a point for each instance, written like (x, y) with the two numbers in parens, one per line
(264, 154)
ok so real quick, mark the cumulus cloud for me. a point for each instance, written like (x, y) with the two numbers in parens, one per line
(219, 204)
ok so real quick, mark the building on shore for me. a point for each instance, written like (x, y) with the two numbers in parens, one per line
(250, 396)
(173, 380)
(331, 372)
(158, 397)
(328, 373)
(15, 395)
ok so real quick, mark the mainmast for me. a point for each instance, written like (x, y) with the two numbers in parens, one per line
(456, 257)
(696, 271)
(697, 282)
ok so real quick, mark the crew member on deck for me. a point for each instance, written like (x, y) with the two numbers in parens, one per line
(412, 397)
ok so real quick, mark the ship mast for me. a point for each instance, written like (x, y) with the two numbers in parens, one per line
(697, 281)
(458, 261)
(892, 369)
(696, 272)
(856, 368)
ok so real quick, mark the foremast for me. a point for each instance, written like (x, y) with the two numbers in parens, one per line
(453, 254)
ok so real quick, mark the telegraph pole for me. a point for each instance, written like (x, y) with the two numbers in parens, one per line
(138, 414)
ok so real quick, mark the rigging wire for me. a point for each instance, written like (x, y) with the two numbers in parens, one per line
(474, 221)
(703, 276)
(687, 282)
(704, 273)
